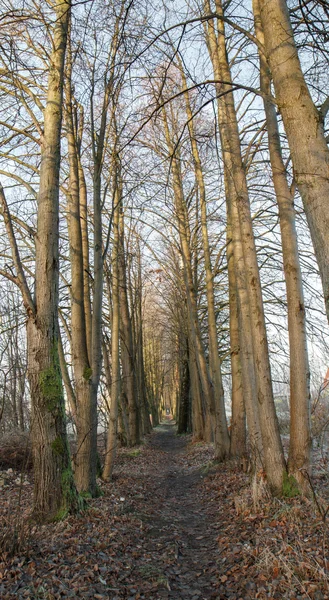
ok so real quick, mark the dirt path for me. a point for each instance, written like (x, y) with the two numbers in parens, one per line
(179, 523)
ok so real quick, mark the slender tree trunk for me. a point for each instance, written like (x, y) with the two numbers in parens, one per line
(83, 202)
(67, 380)
(194, 327)
(304, 128)
(238, 420)
(129, 383)
(143, 403)
(112, 439)
(300, 431)
(272, 446)
(238, 277)
(198, 424)
(222, 440)
(85, 458)
(248, 369)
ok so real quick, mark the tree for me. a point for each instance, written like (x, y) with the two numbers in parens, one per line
(239, 207)
(304, 126)
(300, 432)
(54, 491)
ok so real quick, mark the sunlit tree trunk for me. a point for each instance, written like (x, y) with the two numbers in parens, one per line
(198, 420)
(304, 128)
(238, 420)
(237, 278)
(248, 367)
(300, 433)
(222, 441)
(272, 446)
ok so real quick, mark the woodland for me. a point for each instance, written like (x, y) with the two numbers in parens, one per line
(164, 305)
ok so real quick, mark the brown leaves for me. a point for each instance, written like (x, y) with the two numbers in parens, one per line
(168, 528)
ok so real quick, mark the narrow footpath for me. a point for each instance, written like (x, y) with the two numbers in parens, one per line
(179, 524)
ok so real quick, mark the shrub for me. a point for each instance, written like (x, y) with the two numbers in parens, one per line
(15, 451)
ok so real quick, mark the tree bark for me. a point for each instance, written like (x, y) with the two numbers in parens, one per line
(272, 445)
(303, 124)
(112, 439)
(129, 384)
(222, 440)
(300, 430)
(54, 490)
(85, 458)
(238, 420)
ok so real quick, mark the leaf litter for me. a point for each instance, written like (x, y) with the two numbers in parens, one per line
(172, 525)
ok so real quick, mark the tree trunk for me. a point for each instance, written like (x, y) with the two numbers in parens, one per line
(83, 202)
(129, 383)
(139, 350)
(85, 458)
(192, 311)
(198, 424)
(184, 394)
(300, 431)
(272, 445)
(54, 490)
(304, 128)
(112, 440)
(238, 420)
(222, 440)
(67, 380)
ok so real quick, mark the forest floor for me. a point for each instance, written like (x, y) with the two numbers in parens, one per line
(171, 525)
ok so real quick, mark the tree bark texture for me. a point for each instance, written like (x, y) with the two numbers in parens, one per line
(85, 458)
(300, 429)
(112, 437)
(272, 446)
(303, 124)
(54, 489)
(222, 440)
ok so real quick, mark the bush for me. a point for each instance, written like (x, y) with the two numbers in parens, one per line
(16, 451)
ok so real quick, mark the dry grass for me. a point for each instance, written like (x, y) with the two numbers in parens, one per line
(16, 535)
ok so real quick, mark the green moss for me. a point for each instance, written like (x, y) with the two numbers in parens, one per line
(67, 481)
(98, 492)
(87, 373)
(61, 514)
(86, 495)
(51, 388)
(72, 501)
(58, 446)
(133, 453)
(290, 487)
(207, 467)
